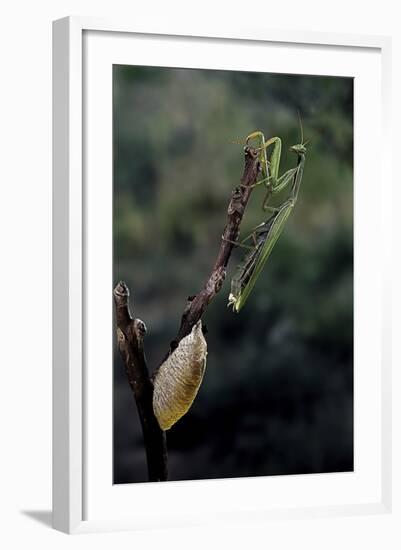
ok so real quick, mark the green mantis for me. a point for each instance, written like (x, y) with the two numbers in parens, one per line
(266, 234)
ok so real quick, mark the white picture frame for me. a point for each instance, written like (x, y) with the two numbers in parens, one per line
(80, 44)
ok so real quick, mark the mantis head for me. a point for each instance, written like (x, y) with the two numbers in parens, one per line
(300, 148)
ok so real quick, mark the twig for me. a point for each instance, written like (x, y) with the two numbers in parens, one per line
(196, 305)
(130, 334)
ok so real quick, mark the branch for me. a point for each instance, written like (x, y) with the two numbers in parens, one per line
(197, 304)
(130, 334)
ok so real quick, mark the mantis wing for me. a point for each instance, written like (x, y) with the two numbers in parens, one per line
(264, 251)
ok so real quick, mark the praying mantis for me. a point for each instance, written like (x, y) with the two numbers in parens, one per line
(267, 233)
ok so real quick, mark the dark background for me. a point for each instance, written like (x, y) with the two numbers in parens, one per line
(277, 397)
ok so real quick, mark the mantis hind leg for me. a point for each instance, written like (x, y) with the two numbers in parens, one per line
(251, 235)
(240, 243)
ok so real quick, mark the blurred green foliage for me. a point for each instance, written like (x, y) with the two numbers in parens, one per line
(277, 397)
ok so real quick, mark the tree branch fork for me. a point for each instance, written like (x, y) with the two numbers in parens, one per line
(131, 331)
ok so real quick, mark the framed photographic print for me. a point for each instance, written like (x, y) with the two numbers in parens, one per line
(219, 321)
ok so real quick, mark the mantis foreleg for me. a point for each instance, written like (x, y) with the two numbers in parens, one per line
(273, 182)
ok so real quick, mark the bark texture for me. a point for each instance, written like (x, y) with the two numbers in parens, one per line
(130, 335)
